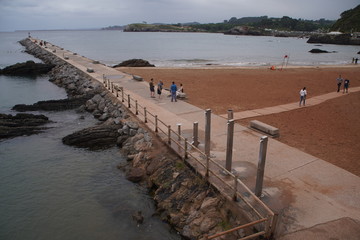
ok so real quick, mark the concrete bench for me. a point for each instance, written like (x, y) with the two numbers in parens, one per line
(273, 131)
(90, 70)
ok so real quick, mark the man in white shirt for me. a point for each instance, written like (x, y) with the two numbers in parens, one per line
(303, 94)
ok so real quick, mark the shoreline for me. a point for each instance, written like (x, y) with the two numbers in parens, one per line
(349, 65)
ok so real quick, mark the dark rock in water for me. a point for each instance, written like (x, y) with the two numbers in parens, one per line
(98, 137)
(316, 50)
(135, 175)
(21, 124)
(358, 52)
(138, 217)
(27, 68)
(134, 63)
(53, 105)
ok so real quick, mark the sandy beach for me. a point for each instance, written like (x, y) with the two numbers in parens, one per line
(329, 131)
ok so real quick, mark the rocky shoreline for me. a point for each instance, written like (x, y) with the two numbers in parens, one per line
(183, 199)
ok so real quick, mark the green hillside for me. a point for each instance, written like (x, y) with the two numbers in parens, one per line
(349, 21)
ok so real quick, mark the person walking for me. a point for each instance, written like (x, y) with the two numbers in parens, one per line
(173, 90)
(152, 88)
(339, 81)
(346, 85)
(159, 88)
(303, 94)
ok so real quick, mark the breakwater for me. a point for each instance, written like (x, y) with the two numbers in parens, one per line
(183, 198)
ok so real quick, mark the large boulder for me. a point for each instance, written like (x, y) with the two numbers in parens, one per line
(134, 63)
(27, 68)
(99, 137)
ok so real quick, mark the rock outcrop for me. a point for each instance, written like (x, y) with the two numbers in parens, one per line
(29, 68)
(21, 124)
(341, 39)
(134, 63)
(316, 50)
(53, 105)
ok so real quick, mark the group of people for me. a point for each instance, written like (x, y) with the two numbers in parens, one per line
(339, 81)
(174, 90)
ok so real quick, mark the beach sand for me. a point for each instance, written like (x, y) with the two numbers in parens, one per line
(330, 130)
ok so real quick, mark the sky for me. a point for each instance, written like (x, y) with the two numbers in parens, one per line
(84, 14)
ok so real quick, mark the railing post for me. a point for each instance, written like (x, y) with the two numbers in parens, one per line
(169, 134)
(207, 131)
(156, 123)
(104, 79)
(136, 107)
(112, 87)
(109, 84)
(105, 82)
(235, 188)
(145, 115)
(117, 93)
(129, 103)
(195, 141)
(230, 114)
(122, 94)
(207, 166)
(179, 131)
(261, 166)
(229, 145)
(185, 149)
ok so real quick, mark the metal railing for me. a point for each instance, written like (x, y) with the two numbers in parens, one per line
(261, 217)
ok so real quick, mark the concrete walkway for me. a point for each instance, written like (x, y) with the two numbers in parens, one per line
(304, 190)
(288, 107)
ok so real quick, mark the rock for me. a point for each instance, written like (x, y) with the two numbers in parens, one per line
(341, 39)
(53, 105)
(27, 68)
(135, 175)
(98, 137)
(134, 63)
(138, 217)
(21, 124)
(316, 50)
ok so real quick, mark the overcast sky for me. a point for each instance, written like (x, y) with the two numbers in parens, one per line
(75, 14)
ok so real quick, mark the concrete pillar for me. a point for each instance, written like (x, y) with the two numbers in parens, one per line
(207, 131)
(195, 141)
(230, 114)
(261, 166)
(229, 145)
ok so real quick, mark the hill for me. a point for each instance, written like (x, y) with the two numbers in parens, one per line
(349, 21)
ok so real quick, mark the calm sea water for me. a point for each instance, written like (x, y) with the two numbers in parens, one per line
(195, 49)
(52, 191)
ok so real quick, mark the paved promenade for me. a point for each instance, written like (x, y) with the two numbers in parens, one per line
(304, 190)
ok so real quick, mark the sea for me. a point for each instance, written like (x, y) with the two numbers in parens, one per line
(52, 191)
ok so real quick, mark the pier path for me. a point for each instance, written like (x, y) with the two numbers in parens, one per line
(306, 192)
